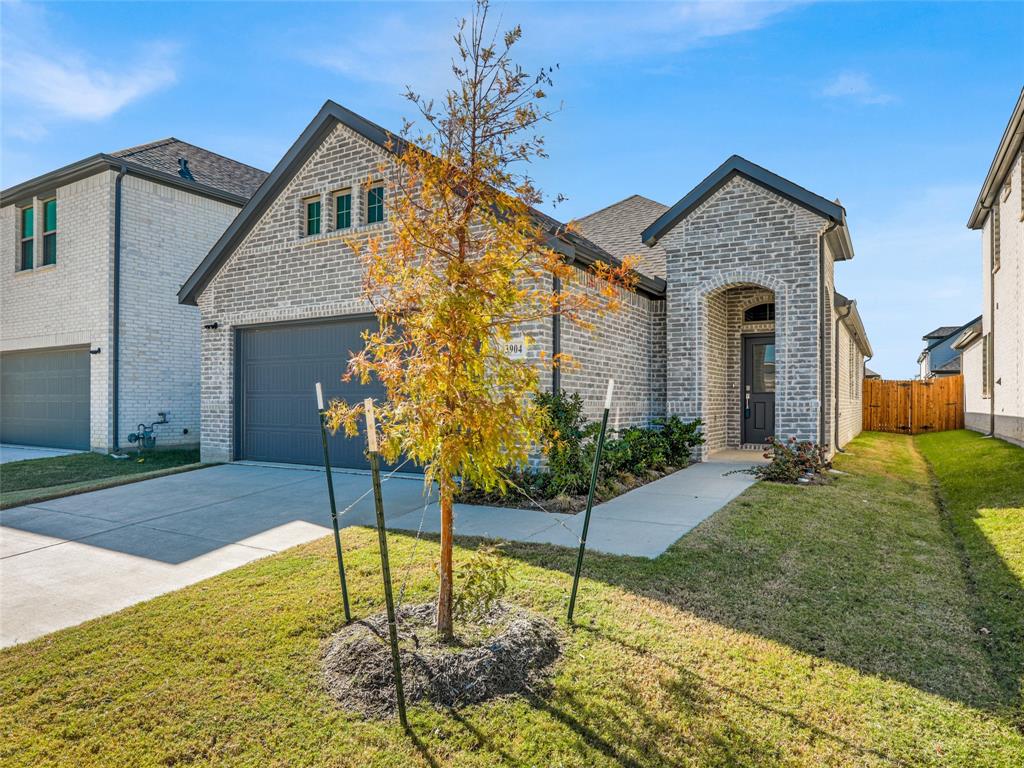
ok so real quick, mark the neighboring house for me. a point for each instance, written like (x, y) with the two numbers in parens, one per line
(993, 355)
(869, 374)
(93, 339)
(939, 358)
(734, 320)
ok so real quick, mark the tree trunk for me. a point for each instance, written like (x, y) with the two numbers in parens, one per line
(444, 595)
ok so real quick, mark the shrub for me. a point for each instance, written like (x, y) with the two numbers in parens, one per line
(563, 438)
(792, 460)
(681, 437)
(483, 581)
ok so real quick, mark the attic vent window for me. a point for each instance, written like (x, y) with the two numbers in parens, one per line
(760, 314)
(183, 169)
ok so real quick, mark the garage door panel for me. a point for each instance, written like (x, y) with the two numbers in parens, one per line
(278, 369)
(45, 397)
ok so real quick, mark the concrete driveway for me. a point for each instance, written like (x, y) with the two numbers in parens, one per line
(12, 452)
(72, 559)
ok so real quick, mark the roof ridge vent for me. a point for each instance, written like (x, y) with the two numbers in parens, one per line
(183, 169)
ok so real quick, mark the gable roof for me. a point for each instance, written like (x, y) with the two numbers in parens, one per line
(853, 322)
(970, 333)
(617, 228)
(739, 166)
(213, 175)
(940, 333)
(207, 167)
(951, 330)
(571, 244)
(1006, 155)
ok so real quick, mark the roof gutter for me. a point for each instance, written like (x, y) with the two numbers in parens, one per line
(24, 192)
(1001, 163)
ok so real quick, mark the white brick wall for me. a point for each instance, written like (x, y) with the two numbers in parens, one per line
(850, 372)
(165, 234)
(66, 304)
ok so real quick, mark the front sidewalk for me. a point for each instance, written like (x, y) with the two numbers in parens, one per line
(68, 560)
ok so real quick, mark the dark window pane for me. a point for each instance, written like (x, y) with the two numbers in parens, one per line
(313, 218)
(49, 216)
(763, 373)
(375, 205)
(26, 254)
(343, 211)
(27, 222)
(760, 314)
(50, 248)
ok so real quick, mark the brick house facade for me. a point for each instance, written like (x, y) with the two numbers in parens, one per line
(129, 211)
(277, 299)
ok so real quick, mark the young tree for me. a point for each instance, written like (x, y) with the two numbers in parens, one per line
(467, 264)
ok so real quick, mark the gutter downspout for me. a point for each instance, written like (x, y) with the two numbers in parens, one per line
(116, 333)
(556, 340)
(835, 368)
(822, 432)
(992, 330)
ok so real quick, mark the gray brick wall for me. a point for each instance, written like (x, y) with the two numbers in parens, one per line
(743, 238)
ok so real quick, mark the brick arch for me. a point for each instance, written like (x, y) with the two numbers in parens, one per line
(708, 360)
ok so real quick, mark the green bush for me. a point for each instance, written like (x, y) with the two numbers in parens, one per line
(681, 436)
(566, 470)
(792, 460)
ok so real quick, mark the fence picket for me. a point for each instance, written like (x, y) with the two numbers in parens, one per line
(913, 407)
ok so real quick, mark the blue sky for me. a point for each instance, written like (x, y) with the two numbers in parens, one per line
(895, 108)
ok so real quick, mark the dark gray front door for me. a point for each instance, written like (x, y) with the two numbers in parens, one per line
(758, 395)
(279, 366)
(44, 398)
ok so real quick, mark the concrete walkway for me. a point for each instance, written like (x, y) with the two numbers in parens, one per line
(72, 559)
(11, 452)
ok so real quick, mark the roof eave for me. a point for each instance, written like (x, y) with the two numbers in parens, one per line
(24, 192)
(1004, 158)
(852, 320)
(740, 166)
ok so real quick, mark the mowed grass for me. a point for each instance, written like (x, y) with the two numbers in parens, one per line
(24, 482)
(981, 485)
(805, 626)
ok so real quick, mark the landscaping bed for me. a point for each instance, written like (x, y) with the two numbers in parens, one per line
(632, 457)
(34, 480)
(799, 626)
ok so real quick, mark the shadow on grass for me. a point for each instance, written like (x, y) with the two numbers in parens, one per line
(861, 572)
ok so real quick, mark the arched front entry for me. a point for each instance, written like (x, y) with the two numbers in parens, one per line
(741, 358)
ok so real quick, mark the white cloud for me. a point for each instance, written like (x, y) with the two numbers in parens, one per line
(856, 86)
(45, 77)
(419, 42)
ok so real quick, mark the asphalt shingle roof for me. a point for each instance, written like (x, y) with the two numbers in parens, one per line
(941, 332)
(617, 229)
(208, 168)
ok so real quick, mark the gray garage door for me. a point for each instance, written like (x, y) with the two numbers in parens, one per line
(278, 368)
(44, 398)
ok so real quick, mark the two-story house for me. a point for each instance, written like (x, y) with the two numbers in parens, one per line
(939, 358)
(93, 339)
(993, 355)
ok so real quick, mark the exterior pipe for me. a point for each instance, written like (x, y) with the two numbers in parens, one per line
(116, 332)
(822, 432)
(835, 368)
(992, 327)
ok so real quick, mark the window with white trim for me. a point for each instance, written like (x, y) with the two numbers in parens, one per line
(26, 253)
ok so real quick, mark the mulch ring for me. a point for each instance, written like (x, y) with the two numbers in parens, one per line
(509, 651)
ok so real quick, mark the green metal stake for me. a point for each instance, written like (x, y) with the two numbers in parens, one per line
(590, 496)
(389, 600)
(334, 508)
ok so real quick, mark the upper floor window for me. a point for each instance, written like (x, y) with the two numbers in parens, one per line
(28, 233)
(761, 313)
(343, 210)
(313, 216)
(375, 204)
(50, 232)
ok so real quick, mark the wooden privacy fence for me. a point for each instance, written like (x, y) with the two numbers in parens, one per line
(913, 407)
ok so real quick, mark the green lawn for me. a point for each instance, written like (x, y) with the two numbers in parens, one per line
(813, 626)
(23, 482)
(981, 484)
